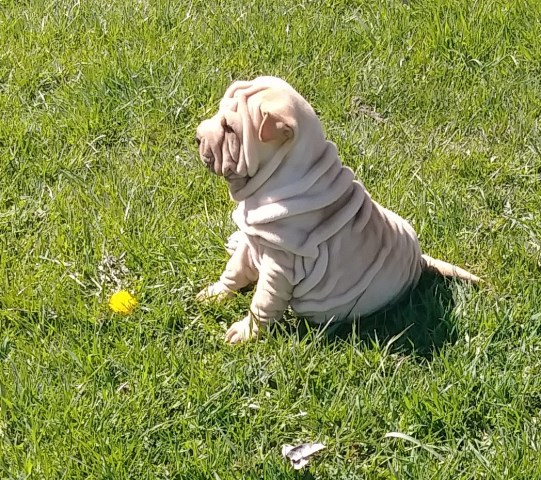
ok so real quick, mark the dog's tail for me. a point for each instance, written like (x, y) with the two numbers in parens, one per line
(447, 270)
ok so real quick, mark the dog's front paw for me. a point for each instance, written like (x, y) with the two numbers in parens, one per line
(234, 240)
(242, 331)
(217, 292)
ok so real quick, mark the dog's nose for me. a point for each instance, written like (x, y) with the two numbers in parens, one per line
(197, 140)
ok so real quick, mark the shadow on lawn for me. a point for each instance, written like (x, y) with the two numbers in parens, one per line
(419, 323)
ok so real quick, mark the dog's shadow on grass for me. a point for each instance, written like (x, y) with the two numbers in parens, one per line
(420, 323)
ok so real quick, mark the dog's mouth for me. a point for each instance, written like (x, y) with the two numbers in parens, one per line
(208, 162)
(212, 164)
(206, 156)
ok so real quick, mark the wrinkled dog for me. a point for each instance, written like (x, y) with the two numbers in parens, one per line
(310, 236)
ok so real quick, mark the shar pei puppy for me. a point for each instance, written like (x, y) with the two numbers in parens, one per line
(309, 234)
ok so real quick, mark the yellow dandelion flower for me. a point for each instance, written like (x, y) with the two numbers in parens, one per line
(122, 302)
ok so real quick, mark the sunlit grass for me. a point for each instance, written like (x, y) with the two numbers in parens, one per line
(436, 107)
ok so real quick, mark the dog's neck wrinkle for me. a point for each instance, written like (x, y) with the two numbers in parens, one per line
(293, 190)
(314, 204)
(253, 184)
(235, 184)
(280, 163)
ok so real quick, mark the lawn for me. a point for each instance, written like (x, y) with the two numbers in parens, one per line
(435, 105)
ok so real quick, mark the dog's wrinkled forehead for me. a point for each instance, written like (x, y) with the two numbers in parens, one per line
(229, 104)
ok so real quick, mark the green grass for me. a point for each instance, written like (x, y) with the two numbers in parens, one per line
(99, 176)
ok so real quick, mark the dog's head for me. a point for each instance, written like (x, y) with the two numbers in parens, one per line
(254, 121)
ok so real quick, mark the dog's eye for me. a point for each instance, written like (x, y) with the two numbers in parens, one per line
(228, 128)
(198, 141)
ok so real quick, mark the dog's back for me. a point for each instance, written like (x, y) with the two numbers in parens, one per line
(370, 261)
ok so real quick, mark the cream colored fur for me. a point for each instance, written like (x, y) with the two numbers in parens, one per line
(309, 234)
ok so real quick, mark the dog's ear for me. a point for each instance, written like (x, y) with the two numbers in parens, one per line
(277, 119)
(274, 128)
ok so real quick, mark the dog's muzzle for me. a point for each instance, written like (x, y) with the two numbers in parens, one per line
(219, 141)
(209, 139)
